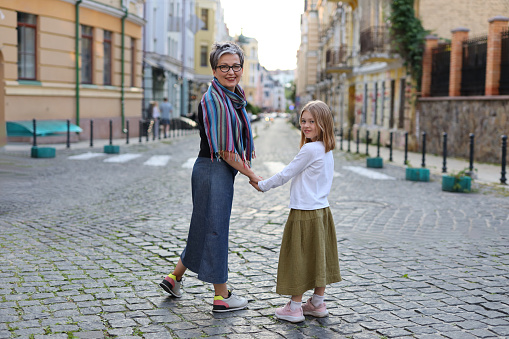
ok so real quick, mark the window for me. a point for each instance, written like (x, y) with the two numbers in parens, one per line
(133, 62)
(107, 45)
(203, 56)
(27, 29)
(205, 19)
(87, 42)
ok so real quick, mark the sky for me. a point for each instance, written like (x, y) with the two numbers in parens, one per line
(275, 24)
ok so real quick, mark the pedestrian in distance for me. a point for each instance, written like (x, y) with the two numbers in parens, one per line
(166, 112)
(226, 148)
(156, 115)
(308, 257)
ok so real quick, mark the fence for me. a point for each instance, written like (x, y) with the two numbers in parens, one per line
(473, 71)
(441, 65)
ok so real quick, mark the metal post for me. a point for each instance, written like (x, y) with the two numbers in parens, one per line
(378, 145)
(423, 149)
(111, 132)
(35, 133)
(357, 141)
(471, 166)
(341, 138)
(444, 152)
(91, 133)
(349, 138)
(140, 130)
(390, 148)
(503, 179)
(68, 134)
(367, 142)
(127, 131)
(154, 131)
(406, 148)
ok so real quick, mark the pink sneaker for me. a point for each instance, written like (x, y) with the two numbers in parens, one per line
(309, 309)
(285, 313)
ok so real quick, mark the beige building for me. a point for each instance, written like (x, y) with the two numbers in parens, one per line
(41, 77)
(251, 76)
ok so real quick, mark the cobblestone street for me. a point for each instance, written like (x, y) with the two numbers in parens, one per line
(84, 244)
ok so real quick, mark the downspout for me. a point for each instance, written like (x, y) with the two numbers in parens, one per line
(77, 60)
(122, 57)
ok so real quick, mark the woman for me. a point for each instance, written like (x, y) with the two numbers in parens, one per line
(226, 147)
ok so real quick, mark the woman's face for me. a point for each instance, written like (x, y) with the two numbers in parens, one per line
(229, 79)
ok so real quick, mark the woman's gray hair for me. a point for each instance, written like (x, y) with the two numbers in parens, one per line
(220, 48)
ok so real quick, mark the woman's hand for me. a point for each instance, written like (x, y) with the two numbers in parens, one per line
(255, 185)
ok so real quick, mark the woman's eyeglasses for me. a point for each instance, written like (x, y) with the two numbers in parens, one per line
(226, 68)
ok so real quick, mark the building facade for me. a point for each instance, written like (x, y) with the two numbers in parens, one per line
(71, 60)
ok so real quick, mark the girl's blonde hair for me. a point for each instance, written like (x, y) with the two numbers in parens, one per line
(323, 120)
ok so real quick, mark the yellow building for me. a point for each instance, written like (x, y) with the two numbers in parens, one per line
(41, 78)
(250, 77)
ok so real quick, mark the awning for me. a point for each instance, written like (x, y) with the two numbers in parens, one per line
(43, 127)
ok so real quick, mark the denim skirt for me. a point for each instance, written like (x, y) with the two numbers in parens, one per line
(206, 252)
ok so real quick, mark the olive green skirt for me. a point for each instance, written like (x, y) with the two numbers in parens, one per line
(309, 252)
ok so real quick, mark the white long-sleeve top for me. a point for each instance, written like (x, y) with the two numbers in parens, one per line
(312, 170)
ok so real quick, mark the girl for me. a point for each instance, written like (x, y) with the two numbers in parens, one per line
(309, 256)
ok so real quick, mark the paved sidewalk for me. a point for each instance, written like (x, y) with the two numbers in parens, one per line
(484, 173)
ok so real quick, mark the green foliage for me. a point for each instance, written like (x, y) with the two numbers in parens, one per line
(253, 109)
(408, 35)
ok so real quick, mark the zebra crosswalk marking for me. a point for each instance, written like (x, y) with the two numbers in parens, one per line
(123, 158)
(157, 160)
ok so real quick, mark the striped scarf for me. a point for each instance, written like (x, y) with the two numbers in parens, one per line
(227, 130)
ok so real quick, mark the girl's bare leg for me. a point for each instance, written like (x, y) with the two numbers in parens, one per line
(297, 298)
(319, 291)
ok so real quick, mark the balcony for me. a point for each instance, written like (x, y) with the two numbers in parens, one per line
(376, 45)
(336, 60)
(353, 3)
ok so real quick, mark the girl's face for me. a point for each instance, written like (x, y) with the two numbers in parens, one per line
(308, 126)
(230, 79)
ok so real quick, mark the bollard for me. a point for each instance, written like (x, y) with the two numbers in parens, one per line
(68, 134)
(444, 153)
(111, 132)
(111, 149)
(40, 152)
(471, 165)
(34, 142)
(349, 138)
(390, 148)
(140, 130)
(406, 149)
(423, 150)
(378, 145)
(341, 138)
(153, 130)
(357, 141)
(127, 131)
(91, 133)
(367, 142)
(503, 179)
(146, 134)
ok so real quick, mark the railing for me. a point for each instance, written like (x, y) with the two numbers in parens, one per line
(504, 64)
(440, 70)
(337, 56)
(376, 39)
(473, 71)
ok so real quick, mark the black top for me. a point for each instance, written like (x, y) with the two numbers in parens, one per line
(204, 141)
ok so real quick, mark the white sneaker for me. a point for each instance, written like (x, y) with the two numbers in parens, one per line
(172, 286)
(232, 303)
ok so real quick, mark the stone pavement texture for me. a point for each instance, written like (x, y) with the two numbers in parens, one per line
(84, 244)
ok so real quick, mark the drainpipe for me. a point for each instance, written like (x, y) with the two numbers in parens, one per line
(122, 57)
(77, 60)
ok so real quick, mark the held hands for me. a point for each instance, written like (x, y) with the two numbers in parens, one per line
(254, 182)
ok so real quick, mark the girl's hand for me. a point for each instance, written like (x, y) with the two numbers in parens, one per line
(255, 179)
